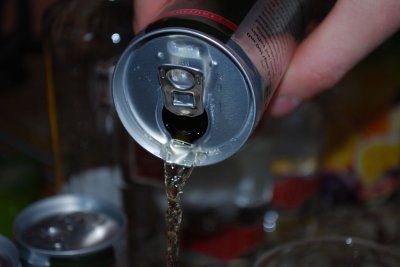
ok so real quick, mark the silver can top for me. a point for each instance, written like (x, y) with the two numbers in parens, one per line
(185, 72)
(67, 225)
(9, 256)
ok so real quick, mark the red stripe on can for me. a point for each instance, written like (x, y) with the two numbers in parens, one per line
(206, 14)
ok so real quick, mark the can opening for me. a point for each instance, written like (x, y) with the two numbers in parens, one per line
(185, 128)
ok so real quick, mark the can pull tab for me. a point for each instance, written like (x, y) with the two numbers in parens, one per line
(183, 90)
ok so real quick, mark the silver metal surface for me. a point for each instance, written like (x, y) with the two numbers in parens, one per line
(229, 99)
(67, 225)
(9, 256)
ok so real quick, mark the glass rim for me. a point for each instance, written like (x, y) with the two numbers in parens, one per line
(343, 240)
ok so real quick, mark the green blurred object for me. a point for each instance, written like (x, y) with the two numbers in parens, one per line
(20, 185)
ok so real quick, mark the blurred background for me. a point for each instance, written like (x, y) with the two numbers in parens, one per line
(331, 167)
(25, 148)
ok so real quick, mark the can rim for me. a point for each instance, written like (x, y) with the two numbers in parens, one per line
(67, 203)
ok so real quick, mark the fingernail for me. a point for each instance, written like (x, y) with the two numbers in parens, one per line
(283, 105)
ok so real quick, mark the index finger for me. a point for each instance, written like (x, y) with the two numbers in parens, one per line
(351, 30)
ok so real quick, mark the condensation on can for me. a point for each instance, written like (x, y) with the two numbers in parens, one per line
(70, 230)
(9, 256)
(241, 66)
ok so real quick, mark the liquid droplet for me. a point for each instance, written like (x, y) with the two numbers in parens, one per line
(213, 63)
(52, 231)
(160, 55)
(57, 246)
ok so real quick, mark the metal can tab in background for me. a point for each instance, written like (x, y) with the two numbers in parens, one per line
(240, 66)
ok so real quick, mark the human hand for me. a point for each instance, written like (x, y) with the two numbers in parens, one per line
(146, 11)
(351, 30)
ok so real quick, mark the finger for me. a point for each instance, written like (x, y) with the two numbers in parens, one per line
(350, 31)
(146, 11)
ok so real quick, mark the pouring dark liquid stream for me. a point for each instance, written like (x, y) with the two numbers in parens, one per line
(175, 179)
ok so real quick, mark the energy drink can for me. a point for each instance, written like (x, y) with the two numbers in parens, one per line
(203, 73)
(9, 256)
(70, 230)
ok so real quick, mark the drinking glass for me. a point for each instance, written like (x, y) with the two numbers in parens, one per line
(330, 251)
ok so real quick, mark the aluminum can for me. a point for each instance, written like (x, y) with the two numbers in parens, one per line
(206, 69)
(9, 256)
(70, 230)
